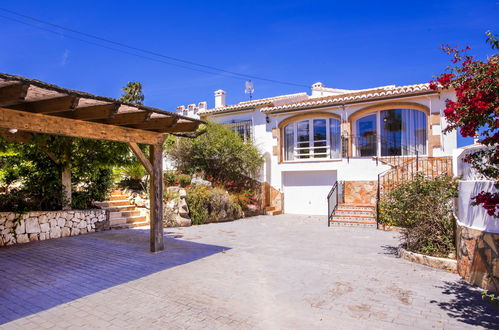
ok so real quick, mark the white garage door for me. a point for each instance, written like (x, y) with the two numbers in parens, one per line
(306, 192)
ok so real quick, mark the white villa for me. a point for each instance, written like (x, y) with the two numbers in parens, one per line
(338, 138)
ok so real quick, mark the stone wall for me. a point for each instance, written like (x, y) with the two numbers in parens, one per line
(478, 257)
(18, 228)
(360, 192)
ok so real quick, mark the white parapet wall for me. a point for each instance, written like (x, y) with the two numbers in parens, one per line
(477, 236)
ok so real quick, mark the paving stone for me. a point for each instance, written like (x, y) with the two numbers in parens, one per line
(262, 272)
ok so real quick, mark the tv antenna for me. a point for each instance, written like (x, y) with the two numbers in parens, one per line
(249, 88)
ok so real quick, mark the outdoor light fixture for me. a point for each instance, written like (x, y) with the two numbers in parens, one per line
(267, 119)
(13, 130)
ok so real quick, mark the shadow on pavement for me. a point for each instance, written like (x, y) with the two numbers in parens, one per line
(467, 305)
(38, 276)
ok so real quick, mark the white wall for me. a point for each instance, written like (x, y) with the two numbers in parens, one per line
(356, 169)
(470, 185)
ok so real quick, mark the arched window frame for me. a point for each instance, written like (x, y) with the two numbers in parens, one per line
(377, 110)
(323, 156)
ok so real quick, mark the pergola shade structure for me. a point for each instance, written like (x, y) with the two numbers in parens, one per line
(33, 106)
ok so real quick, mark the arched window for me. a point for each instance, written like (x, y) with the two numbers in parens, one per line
(392, 132)
(317, 138)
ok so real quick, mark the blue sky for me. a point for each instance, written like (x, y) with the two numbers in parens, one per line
(344, 44)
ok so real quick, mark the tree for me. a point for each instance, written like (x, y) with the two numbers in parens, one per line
(61, 172)
(43, 166)
(476, 111)
(220, 153)
(132, 93)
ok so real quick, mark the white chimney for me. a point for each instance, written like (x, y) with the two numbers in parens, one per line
(220, 98)
(317, 89)
(180, 109)
(203, 106)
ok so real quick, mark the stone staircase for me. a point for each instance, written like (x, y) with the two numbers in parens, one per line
(271, 210)
(122, 213)
(348, 214)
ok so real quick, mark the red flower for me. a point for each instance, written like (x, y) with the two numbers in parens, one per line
(445, 79)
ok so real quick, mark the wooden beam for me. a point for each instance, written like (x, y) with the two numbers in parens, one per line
(13, 94)
(93, 112)
(128, 118)
(156, 198)
(58, 104)
(18, 137)
(40, 123)
(25, 137)
(142, 158)
(187, 126)
(157, 123)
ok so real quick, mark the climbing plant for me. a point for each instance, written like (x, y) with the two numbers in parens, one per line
(475, 112)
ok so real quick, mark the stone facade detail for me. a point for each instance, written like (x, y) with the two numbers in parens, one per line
(18, 228)
(478, 257)
(360, 192)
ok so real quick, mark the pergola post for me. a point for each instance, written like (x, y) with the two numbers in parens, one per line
(156, 198)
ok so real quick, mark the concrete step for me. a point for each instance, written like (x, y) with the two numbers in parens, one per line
(124, 220)
(120, 208)
(273, 212)
(359, 207)
(352, 224)
(354, 218)
(369, 213)
(116, 197)
(123, 214)
(130, 225)
(113, 203)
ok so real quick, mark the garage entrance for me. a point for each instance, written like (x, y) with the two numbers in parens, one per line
(305, 192)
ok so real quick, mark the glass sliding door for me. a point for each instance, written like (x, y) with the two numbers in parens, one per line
(303, 139)
(403, 132)
(391, 132)
(320, 138)
(335, 138)
(289, 142)
(365, 140)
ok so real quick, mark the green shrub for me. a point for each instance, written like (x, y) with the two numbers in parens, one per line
(207, 204)
(424, 208)
(220, 153)
(173, 178)
(198, 201)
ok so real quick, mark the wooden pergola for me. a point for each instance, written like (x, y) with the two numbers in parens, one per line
(29, 105)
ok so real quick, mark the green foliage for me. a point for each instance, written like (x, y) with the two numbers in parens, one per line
(173, 178)
(133, 176)
(208, 204)
(423, 207)
(198, 201)
(132, 93)
(220, 153)
(31, 172)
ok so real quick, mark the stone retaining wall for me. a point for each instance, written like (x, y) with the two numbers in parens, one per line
(478, 257)
(18, 228)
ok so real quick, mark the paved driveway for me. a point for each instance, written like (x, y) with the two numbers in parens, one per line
(263, 272)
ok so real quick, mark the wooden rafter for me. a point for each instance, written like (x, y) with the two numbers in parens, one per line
(141, 157)
(13, 94)
(40, 123)
(128, 118)
(94, 112)
(58, 104)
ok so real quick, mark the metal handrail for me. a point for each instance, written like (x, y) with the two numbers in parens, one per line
(442, 167)
(331, 210)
